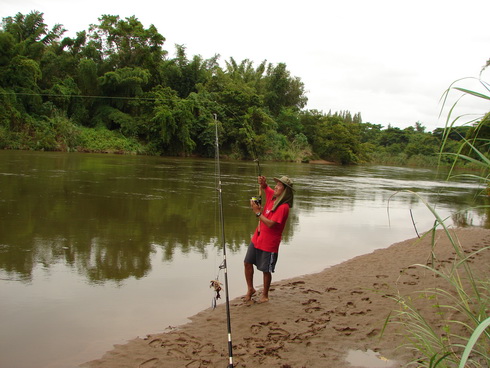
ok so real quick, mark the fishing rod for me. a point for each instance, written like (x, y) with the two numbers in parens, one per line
(223, 265)
(258, 199)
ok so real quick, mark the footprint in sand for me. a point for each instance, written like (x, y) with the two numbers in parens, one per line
(303, 336)
(311, 291)
(312, 309)
(207, 349)
(326, 317)
(339, 312)
(360, 313)
(295, 283)
(322, 321)
(177, 354)
(345, 330)
(389, 296)
(196, 364)
(380, 286)
(255, 329)
(303, 319)
(278, 334)
(267, 323)
(150, 363)
(156, 343)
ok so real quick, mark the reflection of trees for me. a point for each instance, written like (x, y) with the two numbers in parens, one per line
(104, 215)
(465, 216)
(114, 261)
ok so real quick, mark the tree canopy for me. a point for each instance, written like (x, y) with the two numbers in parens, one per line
(116, 78)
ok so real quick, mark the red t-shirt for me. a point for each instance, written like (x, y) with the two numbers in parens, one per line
(268, 238)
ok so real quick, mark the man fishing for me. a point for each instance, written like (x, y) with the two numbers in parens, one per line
(263, 249)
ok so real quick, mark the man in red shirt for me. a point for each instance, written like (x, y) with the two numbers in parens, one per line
(263, 249)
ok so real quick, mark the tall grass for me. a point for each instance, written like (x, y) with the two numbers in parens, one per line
(460, 337)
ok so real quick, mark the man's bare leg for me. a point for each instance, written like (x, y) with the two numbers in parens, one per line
(267, 285)
(249, 277)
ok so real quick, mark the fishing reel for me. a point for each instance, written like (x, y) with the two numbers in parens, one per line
(257, 200)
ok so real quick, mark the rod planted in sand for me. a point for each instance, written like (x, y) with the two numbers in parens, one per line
(223, 265)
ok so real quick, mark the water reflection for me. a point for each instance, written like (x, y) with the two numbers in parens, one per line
(369, 359)
(104, 215)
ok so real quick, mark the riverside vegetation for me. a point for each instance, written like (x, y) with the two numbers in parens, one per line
(460, 337)
(114, 88)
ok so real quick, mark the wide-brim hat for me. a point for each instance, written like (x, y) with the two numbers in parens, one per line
(285, 180)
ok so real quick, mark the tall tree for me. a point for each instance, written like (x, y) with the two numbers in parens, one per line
(31, 34)
(184, 75)
(126, 43)
(282, 90)
(338, 141)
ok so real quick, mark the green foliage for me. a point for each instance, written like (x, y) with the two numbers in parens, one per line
(283, 90)
(335, 140)
(184, 76)
(126, 43)
(173, 119)
(103, 140)
(23, 72)
(124, 82)
(117, 76)
(461, 337)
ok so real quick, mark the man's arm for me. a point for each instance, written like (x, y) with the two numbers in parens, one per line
(267, 222)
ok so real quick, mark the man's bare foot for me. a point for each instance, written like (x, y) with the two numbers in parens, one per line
(263, 300)
(249, 295)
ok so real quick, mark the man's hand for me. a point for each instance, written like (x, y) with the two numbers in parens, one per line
(255, 207)
(262, 181)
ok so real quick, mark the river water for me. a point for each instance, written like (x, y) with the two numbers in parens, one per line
(99, 249)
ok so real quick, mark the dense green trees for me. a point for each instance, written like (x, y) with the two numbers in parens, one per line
(115, 88)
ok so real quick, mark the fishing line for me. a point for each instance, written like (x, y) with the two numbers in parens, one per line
(257, 199)
(85, 96)
(256, 157)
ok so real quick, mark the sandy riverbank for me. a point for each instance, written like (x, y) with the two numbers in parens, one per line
(310, 321)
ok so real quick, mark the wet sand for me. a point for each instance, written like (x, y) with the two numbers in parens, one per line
(317, 320)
